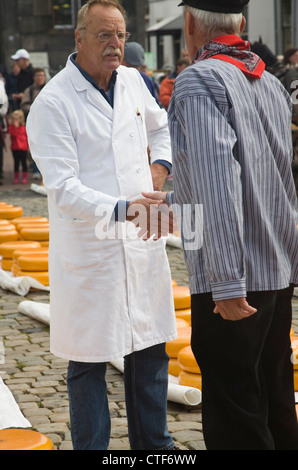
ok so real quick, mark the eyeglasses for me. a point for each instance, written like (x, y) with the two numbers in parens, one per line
(106, 37)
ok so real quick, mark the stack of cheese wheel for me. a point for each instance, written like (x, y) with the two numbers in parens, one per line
(190, 374)
(181, 297)
(8, 231)
(33, 229)
(7, 249)
(33, 262)
(173, 346)
(182, 302)
(9, 211)
(294, 344)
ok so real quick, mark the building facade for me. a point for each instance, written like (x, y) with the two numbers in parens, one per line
(46, 29)
(274, 21)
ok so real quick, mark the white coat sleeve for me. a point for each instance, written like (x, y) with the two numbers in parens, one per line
(54, 150)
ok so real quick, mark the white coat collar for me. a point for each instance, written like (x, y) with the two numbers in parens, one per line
(81, 84)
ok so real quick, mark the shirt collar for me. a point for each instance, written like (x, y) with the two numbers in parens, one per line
(109, 95)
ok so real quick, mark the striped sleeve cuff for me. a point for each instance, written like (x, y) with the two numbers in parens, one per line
(228, 289)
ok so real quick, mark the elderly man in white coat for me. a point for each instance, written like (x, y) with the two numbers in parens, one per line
(111, 292)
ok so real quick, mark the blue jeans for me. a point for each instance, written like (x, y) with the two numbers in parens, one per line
(146, 385)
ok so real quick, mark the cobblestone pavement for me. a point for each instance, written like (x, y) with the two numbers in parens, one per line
(37, 378)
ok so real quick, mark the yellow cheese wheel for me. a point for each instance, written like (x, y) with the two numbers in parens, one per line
(4, 222)
(40, 276)
(7, 248)
(28, 218)
(33, 225)
(8, 236)
(181, 297)
(40, 250)
(296, 380)
(7, 212)
(292, 332)
(187, 360)
(294, 358)
(37, 233)
(14, 269)
(7, 227)
(190, 380)
(174, 367)
(24, 439)
(174, 283)
(173, 347)
(6, 264)
(185, 314)
(33, 263)
(181, 323)
(44, 243)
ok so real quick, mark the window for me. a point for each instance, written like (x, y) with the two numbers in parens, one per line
(286, 23)
(63, 13)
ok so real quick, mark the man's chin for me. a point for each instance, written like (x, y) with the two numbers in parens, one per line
(112, 62)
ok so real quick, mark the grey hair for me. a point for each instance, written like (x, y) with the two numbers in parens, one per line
(211, 24)
(83, 14)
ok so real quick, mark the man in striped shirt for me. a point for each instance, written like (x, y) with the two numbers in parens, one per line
(232, 151)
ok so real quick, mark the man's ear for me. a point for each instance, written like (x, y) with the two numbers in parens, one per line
(78, 38)
(189, 23)
(243, 23)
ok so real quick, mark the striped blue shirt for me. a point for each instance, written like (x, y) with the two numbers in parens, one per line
(232, 154)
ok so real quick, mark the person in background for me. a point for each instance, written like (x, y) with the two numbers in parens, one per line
(11, 87)
(230, 126)
(3, 112)
(19, 144)
(111, 291)
(167, 84)
(25, 76)
(184, 54)
(134, 56)
(30, 93)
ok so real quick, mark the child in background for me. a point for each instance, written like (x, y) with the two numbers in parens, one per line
(19, 144)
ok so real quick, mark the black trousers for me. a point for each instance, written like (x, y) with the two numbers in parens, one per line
(20, 157)
(247, 374)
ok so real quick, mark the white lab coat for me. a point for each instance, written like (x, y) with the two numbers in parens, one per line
(3, 99)
(110, 295)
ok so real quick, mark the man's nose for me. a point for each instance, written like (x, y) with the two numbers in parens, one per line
(115, 41)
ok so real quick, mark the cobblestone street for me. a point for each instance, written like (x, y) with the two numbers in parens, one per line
(37, 378)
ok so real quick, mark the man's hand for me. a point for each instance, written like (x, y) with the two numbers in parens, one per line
(234, 309)
(154, 218)
(159, 173)
(158, 196)
(18, 96)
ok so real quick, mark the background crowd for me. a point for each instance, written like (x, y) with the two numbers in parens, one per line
(20, 86)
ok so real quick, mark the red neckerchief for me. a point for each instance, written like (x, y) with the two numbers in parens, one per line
(231, 48)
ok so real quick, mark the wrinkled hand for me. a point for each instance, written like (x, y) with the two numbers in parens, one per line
(152, 217)
(159, 173)
(234, 309)
(157, 196)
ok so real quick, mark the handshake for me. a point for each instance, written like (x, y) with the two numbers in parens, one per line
(152, 215)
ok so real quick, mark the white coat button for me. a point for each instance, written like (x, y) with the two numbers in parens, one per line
(138, 170)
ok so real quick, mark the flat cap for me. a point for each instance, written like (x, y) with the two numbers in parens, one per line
(217, 6)
(134, 54)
